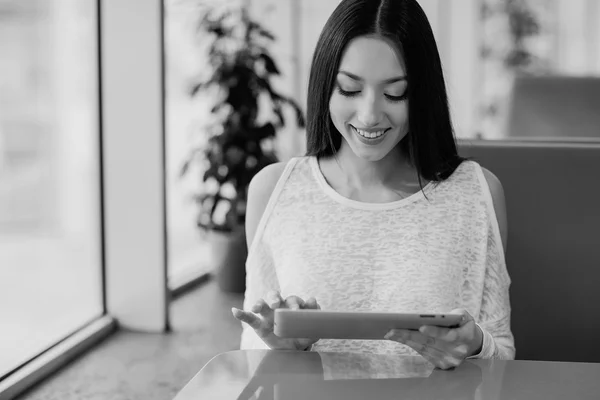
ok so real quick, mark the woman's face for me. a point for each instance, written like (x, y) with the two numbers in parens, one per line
(369, 105)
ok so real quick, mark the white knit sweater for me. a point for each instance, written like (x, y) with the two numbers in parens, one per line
(425, 253)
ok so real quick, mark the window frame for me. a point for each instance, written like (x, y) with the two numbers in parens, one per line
(131, 80)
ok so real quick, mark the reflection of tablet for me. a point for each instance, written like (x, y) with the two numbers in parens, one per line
(320, 324)
(344, 389)
(458, 384)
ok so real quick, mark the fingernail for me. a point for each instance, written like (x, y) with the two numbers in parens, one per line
(388, 335)
(423, 330)
(234, 310)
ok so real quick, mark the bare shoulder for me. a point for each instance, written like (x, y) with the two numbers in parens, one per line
(259, 191)
(263, 183)
(499, 201)
(492, 181)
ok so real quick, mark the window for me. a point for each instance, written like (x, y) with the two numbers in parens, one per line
(50, 233)
(540, 69)
(188, 248)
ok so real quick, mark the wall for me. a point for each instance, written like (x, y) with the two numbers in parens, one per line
(459, 31)
(297, 25)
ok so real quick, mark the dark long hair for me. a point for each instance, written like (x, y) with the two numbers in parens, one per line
(430, 144)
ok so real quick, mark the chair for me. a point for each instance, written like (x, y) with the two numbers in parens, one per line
(552, 194)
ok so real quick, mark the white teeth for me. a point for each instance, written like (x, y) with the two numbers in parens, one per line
(369, 135)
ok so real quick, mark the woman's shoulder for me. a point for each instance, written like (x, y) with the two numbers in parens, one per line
(261, 189)
(469, 168)
(265, 181)
(499, 202)
(472, 167)
(494, 188)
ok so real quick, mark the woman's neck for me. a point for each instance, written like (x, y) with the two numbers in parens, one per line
(392, 171)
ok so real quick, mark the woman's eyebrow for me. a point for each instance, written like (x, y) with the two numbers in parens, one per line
(386, 81)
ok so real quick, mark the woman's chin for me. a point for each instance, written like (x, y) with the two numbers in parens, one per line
(370, 154)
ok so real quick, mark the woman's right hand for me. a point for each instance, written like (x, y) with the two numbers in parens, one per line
(261, 319)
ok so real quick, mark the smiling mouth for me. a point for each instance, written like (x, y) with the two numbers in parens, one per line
(369, 135)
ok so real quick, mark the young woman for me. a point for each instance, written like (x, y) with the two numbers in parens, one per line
(382, 214)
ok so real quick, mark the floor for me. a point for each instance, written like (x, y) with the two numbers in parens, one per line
(131, 366)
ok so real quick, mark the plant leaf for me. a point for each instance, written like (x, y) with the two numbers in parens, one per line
(270, 65)
(217, 107)
(254, 26)
(184, 168)
(299, 113)
(279, 113)
(265, 131)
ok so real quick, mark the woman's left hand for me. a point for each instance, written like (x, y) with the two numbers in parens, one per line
(445, 348)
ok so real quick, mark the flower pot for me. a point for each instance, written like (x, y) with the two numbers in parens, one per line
(229, 254)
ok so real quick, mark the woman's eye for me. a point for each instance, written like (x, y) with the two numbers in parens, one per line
(396, 98)
(348, 93)
(354, 93)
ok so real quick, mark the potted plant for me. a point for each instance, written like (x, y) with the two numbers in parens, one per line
(238, 142)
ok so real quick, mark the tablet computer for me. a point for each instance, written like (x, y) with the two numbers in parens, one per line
(319, 324)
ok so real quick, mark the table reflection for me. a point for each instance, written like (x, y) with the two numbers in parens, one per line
(287, 375)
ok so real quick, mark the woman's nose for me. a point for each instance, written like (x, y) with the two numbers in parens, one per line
(369, 113)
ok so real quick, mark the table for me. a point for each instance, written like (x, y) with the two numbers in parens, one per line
(294, 375)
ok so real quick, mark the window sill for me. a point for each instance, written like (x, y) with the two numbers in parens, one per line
(187, 279)
(56, 357)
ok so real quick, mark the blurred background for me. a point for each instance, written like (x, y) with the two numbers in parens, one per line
(515, 69)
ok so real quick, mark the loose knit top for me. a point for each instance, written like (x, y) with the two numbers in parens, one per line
(433, 251)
